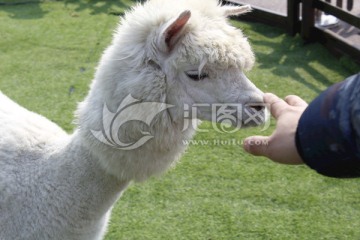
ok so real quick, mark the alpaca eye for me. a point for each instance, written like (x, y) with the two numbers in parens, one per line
(194, 75)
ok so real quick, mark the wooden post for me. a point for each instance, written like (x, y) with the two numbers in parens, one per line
(293, 16)
(349, 5)
(308, 20)
(339, 3)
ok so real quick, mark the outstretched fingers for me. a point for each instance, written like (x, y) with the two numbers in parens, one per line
(276, 104)
(294, 100)
(257, 145)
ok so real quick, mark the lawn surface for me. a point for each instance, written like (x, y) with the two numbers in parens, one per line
(48, 55)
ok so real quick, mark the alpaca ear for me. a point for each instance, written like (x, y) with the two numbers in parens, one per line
(236, 10)
(173, 30)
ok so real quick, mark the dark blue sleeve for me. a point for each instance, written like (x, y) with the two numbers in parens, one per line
(328, 133)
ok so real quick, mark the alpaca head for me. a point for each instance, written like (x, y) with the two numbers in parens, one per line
(199, 57)
(180, 52)
(183, 53)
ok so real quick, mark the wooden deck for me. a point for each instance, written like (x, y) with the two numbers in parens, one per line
(348, 33)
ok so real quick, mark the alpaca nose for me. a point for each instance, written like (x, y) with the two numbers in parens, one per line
(255, 103)
(254, 114)
(257, 108)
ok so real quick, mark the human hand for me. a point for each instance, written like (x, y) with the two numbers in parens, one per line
(280, 146)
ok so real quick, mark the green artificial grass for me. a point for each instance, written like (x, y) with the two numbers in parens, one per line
(48, 54)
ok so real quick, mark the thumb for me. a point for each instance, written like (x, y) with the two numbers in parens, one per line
(257, 145)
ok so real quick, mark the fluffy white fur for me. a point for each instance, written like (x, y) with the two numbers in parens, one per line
(59, 186)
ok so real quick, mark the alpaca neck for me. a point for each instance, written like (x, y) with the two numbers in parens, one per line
(89, 191)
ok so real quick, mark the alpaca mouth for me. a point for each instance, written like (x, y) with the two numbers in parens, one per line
(254, 114)
(241, 115)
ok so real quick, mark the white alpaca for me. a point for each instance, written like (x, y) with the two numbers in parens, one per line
(179, 52)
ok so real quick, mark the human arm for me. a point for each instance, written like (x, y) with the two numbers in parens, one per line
(280, 145)
(326, 136)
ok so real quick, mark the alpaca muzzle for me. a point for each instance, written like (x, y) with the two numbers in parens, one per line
(254, 114)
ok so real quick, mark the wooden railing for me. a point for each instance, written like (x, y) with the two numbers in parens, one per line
(300, 19)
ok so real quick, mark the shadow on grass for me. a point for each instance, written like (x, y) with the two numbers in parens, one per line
(290, 57)
(22, 9)
(32, 9)
(113, 7)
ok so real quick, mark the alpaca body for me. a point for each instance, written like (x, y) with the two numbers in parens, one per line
(49, 184)
(52, 186)
(168, 56)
